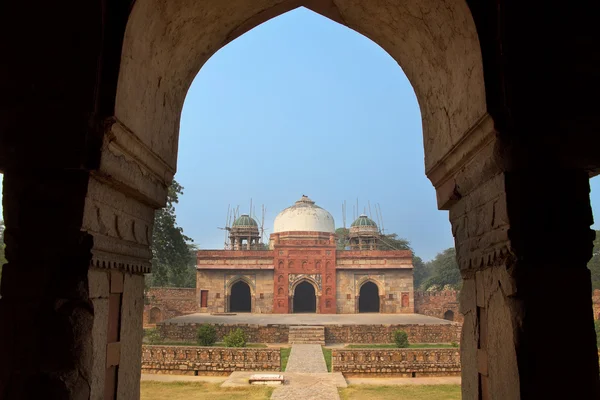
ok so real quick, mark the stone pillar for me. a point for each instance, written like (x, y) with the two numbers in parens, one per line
(523, 239)
(45, 308)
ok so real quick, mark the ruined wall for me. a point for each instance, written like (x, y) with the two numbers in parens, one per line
(162, 303)
(188, 360)
(446, 333)
(395, 289)
(397, 362)
(218, 285)
(439, 304)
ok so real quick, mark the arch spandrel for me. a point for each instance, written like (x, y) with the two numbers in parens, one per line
(166, 44)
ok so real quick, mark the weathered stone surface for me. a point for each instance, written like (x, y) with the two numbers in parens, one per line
(438, 304)
(397, 362)
(191, 360)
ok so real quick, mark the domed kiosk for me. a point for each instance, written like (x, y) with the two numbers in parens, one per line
(364, 234)
(244, 234)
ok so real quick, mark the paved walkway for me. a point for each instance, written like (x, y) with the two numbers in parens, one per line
(306, 376)
(309, 319)
(306, 358)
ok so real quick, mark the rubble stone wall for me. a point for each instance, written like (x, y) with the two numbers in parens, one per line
(162, 303)
(192, 360)
(446, 333)
(397, 362)
(440, 304)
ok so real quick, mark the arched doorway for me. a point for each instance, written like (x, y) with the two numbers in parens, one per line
(305, 298)
(449, 315)
(368, 302)
(240, 299)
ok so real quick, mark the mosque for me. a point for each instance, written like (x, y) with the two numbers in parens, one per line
(302, 271)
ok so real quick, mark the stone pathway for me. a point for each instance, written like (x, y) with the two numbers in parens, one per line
(307, 377)
(306, 358)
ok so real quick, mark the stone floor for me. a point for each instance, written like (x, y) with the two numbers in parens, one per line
(310, 319)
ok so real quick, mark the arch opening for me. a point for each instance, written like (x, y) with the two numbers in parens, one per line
(449, 315)
(240, 299)
(305, 298)
(368, 302)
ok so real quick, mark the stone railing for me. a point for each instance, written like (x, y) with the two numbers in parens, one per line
(445, 333)
(192, 360)
(397, 362)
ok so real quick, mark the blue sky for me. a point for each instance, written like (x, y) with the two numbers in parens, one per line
(302, 105)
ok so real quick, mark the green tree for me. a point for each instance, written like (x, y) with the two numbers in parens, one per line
(421, 271)
(342, 237)
(594, 263)
(172, 251)
(391, 241)
(444, 271)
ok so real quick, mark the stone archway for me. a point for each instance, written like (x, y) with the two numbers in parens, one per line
(97, 182)
(305, 298)
(449, 315)
(369, 300)
(240, 297)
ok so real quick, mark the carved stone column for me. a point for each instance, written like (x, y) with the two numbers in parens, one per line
(523, 240)
(122, 197)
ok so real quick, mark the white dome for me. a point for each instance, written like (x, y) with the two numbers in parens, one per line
(304, 216)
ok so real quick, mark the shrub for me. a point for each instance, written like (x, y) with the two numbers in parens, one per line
(454, 344)
(207, 335)
(235, 338)
(401, 339)
(152, 335)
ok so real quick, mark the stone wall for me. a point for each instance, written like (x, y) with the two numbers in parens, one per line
(393, 284)
(446, 333)
(397, 362)
(191, 360)
(162, 303)
(439, 304)
(417, 333)
(254, 333)
(218, 284)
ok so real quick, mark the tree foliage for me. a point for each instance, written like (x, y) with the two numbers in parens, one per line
(443, 271)
(391, 241)
(342, 237)
(173, 253)
(594, 263)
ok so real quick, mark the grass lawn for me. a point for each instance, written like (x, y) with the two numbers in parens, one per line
(406, 392)
(393, 346)
(201, 390)
(285, 355)
(327, 355)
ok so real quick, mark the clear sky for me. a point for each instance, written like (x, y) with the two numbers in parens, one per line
(302, 105)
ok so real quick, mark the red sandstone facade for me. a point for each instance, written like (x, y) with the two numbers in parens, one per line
(299, 257)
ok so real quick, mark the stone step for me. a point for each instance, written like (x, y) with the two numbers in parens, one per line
(306, 335)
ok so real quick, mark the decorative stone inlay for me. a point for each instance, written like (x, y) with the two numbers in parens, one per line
(295, 278)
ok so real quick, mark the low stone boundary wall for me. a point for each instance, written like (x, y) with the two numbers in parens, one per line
(396, 362)
(192, 360)
(254, 333)
(446, 333)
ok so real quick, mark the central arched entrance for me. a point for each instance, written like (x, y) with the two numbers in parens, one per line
(305, 298)
(240, 299)
(368, 302)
